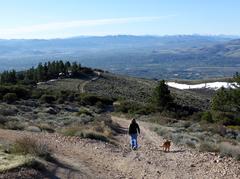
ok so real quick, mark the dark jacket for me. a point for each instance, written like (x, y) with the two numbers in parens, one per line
(134, 128)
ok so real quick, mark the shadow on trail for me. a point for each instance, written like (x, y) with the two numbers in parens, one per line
(177, 151)
(55, 167)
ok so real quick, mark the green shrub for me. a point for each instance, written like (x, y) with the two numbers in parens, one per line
(134, 108)
(21, 91)
(10, 97)
(207, 116)
(37, 93)
(91, 99)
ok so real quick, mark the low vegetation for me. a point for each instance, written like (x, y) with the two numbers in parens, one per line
(30, 146)
(101, 128)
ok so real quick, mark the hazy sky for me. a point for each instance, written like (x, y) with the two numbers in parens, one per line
(67, 18)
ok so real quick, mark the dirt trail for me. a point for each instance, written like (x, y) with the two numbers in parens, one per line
(83, 158)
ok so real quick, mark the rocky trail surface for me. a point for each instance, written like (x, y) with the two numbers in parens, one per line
(84, 158)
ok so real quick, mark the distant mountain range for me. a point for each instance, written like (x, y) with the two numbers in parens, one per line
(169, 57)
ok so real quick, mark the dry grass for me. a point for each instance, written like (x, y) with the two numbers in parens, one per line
(227, 149)
(33, 147)
(10, 161)
(208, 147)
(102, 128)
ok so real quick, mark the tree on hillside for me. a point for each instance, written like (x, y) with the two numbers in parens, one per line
(220, 100)
(236, 79)
(225, 104)
(9, 77)
(43, 72)
(161, 96)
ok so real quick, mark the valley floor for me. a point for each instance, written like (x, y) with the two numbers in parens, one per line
(84, 158)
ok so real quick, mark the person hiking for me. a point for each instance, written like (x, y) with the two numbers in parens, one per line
(133, 131)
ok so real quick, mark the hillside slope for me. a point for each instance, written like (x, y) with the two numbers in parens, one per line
(127, 88)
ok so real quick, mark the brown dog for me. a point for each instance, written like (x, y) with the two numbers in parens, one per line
(166, 145)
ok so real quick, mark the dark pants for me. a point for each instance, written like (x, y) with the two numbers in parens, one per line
(134, 143)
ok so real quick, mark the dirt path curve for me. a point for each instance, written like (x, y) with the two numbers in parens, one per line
(82, 85)
(83, 158)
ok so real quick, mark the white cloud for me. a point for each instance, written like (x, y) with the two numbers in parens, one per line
(21, 32)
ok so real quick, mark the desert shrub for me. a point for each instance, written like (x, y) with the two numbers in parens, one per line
(190, 143)
(46, 127)
(99, 105)
(10, 97)
(2, 119)
(37, 93)
(163, 131)
(132, 107)
(84, 111)
(177, 138)
(86, 133)
(33, 129)
(27, 145)
(196, 116)
(47, 99)
(95, 136)
(8, 111)
(102, 128)
(71, 131)
(227, 149)
(14, 125)
(208, 147)
(60, 101)
(90, 99)
(21, 92)
(184, 139)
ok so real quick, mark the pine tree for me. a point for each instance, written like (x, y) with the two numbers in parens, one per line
(161, 96)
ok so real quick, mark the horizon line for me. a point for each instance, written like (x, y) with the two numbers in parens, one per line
(136, 35)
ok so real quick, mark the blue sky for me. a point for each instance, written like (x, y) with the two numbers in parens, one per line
(67, 18)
